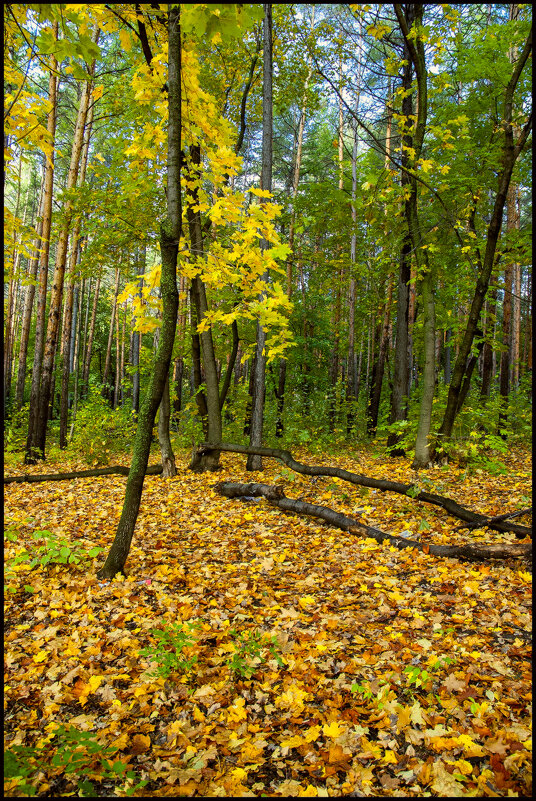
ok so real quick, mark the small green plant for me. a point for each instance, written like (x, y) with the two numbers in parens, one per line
(365, 689)
(48, 549)
(76, 752)
(168, 650)
(251, 650)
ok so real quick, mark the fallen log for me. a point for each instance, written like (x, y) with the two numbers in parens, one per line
(410, 490)
(153, 470)
(474, 552)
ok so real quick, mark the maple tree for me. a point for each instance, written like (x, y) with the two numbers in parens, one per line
(302, 225)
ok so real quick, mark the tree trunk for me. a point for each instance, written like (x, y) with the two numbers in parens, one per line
(254, 461)
(168, 458)
(169, 244)
(199, 309)
(107, 390)
(487, 352)
(136, 338)
(401, 374)
(76, 356)
(379, 365)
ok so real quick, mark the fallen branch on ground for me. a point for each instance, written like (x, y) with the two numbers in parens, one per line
(275, 496)
(153, 470)
(409, 490)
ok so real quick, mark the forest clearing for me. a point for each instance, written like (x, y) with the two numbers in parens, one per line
(267, 399)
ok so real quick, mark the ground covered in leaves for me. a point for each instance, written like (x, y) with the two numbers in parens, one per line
(249, 652)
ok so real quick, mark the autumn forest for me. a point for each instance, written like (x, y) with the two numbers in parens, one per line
(267, 399)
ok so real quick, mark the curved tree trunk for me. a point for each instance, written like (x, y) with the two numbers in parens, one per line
(169, 245)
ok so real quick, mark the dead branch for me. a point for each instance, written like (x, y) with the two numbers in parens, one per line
(383, 485)
(153, 470)
(275, 496)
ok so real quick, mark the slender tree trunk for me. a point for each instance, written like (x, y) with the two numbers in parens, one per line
(169, 244)
(401, 373)
(487, 353)
(168, 458)
(28, 304)
(76, 356)
(59, 272)
(199, 310)
(379, 365)
(136, 338)
(254, 461)
(32, 449)
(106, 390)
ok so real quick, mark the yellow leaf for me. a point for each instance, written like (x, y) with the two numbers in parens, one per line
(126, 41)
(333, 729)
(95, 682)
(306, 600)
(40, 657)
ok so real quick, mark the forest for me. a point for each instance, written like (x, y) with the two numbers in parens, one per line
(267, 400)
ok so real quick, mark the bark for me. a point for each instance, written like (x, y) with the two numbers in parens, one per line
(401, 374)
(152, 470)
(358, 479)
(76, 359)
(47, 373)
(199, 309)
(254, 461)
(136, 341)
(28, 306)
(32, 452)
(426, 275)
(378, 368)
(166, 450)
(510, 151)
(106, 389)
(275, 496)
(487, 352)
(169, 244)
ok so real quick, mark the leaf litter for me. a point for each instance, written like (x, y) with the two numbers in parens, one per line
(250, 652)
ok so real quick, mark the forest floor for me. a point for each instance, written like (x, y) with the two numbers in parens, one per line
(294, 659)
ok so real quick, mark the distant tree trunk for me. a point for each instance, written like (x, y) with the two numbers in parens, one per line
(32, 447)
(199, 309)
(28, 305)
(136, 338)
(169, 244)
(117, 382)
(107, 390)
(401, 372)
(379, 365)
(487, 352)
(504, 380)
(516, 306)
(76, 356)
(59, 271)
(9, 336)
(510, 152)
(168, 458)
(254, 461)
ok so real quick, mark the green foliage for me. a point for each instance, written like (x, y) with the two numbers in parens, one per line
(48, 549)
(16, 430)
(78, 753)
(251, 650)
(171, 640)
(101, 431)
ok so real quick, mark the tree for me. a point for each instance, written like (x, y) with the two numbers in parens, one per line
(170, 234)
(254, 461)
